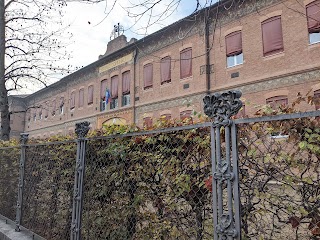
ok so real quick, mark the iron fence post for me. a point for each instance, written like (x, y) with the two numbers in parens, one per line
(81, 131)
(23, 141)
(225, 173)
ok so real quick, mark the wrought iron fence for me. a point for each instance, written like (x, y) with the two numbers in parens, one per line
(173, 183)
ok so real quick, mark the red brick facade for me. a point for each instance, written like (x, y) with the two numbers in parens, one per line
(259, 76)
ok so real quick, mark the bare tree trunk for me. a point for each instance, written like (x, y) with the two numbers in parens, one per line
(4, 108)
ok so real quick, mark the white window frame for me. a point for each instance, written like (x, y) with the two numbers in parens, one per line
(235, 60)
(317, 34)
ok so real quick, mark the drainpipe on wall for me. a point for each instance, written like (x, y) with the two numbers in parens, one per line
(207, 49)
(134, 86)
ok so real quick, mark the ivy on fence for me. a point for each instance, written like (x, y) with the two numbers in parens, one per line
(158, 186)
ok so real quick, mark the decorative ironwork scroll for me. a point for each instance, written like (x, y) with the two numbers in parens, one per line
(82, 129)
(221, 106)
(225, 181)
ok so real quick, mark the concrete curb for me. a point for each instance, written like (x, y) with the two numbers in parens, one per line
(7, 231)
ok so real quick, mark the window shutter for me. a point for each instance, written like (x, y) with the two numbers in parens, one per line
(147, 122)
(126, 78)
(165, 69)
(53, 107)
(28, 115)
(313, 16)
(90, 94)
(114, 86)
(81, 97)
(185, 114)
(148, 75)
(103, 88)
(234, 43)
(46, 111)
(61, 101)
(186, 63)
(166, 117)
(272, 36)
(72, 100)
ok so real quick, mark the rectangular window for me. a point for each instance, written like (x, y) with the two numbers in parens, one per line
(103, 87)
(166, 117)
(104, 94)
(126, 100)
(272, 36)
(103, 105)
(53, 108)
(72, 100)
(126, 78)
(114, 103)
(114, 92)
(28, 115)
(81, 97)
(147, 122)
(46, 110)
(234, 49)
(165, 70)
(185, 115)
(90, 94)
(313, 18)
(276, 102)
(186, 63)
(61, 105)
(148, 75)
(114, 87)
(40, 114)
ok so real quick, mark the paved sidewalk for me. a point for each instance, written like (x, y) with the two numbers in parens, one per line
(7, 232)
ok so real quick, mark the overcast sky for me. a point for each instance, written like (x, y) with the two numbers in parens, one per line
(91, 30)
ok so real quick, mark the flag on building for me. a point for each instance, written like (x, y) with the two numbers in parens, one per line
(107, 95)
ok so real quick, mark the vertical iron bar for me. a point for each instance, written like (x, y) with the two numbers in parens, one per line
(81, 131)
(214, 182)
(219, 162)
(23, 142)
(236, 182)
(229, 183)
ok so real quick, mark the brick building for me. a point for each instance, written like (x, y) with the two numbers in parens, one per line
(269, 49)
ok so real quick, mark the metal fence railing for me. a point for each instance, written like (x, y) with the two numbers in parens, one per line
(227, 179)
